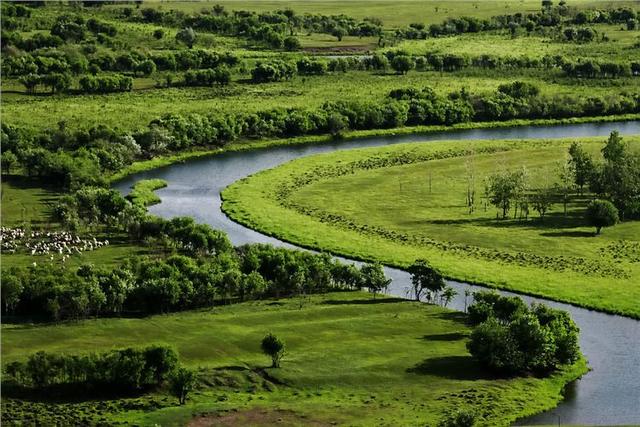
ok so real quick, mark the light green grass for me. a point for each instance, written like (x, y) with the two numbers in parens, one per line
(134, 110)
(349, 360)
(29, 203)
(393, 14)
(142, 192)
(389, 215)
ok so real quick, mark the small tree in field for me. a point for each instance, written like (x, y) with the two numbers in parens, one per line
(181, 383)
(186, 36)
(374, 279)
(541, 200)
(601, 213)
(403, 64)
(274, 348)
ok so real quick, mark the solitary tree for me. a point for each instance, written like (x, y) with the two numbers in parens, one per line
(581, 163)
(181, 383)
(186, 36)
(374, 279)
(339, 33)
(541, 200)
(425, 278)
(402, 64)
(273, 347)
(601, 213)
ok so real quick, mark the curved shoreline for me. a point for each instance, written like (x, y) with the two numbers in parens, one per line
(243, 145)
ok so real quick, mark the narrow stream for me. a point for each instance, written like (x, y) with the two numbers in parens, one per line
(608, 395)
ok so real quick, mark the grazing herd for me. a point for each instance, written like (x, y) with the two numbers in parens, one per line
(51, 243)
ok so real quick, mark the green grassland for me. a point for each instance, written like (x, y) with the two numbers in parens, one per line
(393, 14)
(350, 360)
(136, 109)
(28, 203)
(622, 45)
(388, 214)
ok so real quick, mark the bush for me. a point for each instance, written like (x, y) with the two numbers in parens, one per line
(182, 382)
(601, 213)
(274, 348)
(514, 339)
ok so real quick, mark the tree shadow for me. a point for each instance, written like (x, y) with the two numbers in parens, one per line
(451, 336)
(365, 301)
(568, 234)
(453, 316)
(451, 367)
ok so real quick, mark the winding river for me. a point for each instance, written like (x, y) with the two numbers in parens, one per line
(608, 395)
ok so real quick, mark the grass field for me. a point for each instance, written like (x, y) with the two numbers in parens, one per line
(393, 14)
(136, 109)
(28, 203)
(350, 360)
(388, 214)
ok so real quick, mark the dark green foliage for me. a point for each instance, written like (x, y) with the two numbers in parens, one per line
(601, 213)
(186, 36)
(208, 77)
(273, 71)
(106, 84)
(403, 64)
(374, 279)
(122, 371)
(460, 418)
(273, 347)
(511, 338)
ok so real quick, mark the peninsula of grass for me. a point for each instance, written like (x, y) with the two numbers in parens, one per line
(142, 192)
(350, 359)
(399, 203)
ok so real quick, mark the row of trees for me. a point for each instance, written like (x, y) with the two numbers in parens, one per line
(196, 266)
(615, 181)
(510, 338)
(73, 158)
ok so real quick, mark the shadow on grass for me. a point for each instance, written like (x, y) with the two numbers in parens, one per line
(453, 316)
(364, 301)
(451, 336)
(568, 234)
(451, 367)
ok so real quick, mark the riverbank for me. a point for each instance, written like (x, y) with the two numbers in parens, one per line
(161, 161)
(340, 214)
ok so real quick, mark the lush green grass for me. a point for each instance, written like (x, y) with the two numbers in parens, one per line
(136, 109)
(28, 203)
(349, 359)
(393, 14)
(623, 45)
(143, 194)
(388, 214)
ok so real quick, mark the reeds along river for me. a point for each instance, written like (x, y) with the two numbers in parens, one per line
(608, 395)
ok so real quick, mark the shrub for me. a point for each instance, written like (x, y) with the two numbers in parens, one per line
(601, 213)
(274, 348)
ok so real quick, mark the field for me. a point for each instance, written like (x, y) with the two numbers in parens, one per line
(393, 14)
(391, 214)
(350, 359)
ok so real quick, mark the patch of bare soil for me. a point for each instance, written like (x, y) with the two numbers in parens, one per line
(256, 417)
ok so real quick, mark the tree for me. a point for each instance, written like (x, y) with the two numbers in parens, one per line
(181, 383)
(186, 36)
(503, 188)
(336, 124)
(581, 163)
(541, 200)
(374, 279)
(425, 278)
(7, 161)
(292, 43)
(601, 213)
(273, 347)
(567, 182)
(11, 291)
(339, 33)
(158, 33)
(402, 63)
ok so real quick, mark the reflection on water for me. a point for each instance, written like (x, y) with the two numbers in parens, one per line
(608, 395)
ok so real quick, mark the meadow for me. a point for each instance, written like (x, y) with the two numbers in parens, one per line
(349, 359)
(396, 213)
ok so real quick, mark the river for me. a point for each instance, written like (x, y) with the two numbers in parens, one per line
(608, 395)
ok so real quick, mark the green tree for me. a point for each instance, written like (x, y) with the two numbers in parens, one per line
(374, 279)
(541, 200)
(273, 347)
(181, 383)
(601, 213)
(292, 43)
(339, 33)
(504, 188)
(186, 36)
(403, 64)
(11, 291)
(425, 278)
(581, 163)
(7, 161)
